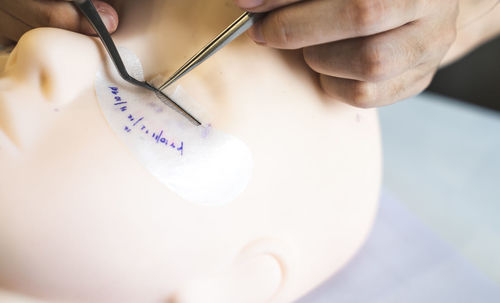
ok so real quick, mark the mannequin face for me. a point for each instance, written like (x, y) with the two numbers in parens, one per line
(81, 220)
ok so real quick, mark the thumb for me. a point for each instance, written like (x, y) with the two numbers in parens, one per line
(108, 15)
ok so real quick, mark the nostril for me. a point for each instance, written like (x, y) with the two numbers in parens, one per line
(46, 86)
(11, 60)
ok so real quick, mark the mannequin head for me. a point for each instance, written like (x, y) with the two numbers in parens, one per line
(81, 220)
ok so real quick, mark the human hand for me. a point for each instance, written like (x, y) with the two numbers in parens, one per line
(368, 52)
(19, 16)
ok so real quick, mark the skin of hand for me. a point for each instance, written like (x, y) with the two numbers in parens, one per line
(477, 24)
(19, 16)
(368, 53)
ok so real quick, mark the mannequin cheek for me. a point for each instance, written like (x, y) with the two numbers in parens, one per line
(58, 64)
(261, 271)
(257, 278)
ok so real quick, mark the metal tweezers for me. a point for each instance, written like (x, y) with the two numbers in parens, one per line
(238, 27)
(89, 11)
(233, 31)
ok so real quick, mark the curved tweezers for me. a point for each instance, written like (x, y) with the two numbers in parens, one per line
(89, 11)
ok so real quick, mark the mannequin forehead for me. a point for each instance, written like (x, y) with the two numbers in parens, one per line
(192, 14)
(196, 8)
(171, 31)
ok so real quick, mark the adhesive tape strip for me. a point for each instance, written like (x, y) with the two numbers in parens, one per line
(199, 163)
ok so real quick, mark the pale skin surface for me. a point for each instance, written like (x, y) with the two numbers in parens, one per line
(82, 221)
(81, 243)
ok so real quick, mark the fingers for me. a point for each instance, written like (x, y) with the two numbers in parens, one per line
(108, 15)
(370, 94)
(12, 28)
(368, 52)
(61, 14)
(314, 22)
(384, 68)
(263, 5)
(382, 56)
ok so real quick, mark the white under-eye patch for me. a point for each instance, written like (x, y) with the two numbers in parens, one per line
(199, 163)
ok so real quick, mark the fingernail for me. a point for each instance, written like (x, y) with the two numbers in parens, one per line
(255, 32)
(248, 4)
(108, 17)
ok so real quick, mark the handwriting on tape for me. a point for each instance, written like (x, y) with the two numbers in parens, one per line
(139, 124)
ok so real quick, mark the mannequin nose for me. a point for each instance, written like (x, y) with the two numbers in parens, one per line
(59, 70)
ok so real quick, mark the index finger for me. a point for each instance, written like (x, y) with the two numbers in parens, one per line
(60, 14)
(263, 5)
(315, 22)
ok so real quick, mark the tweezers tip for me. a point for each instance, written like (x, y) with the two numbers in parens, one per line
(176, 107)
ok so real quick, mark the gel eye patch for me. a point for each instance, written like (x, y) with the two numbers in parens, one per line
(200, 163)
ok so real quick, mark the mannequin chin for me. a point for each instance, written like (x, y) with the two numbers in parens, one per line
(81, 220)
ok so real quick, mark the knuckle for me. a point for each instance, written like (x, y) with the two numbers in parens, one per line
(427, 81)
(417, 51)
(443, 40)
(374, 63)
(363, 94)
(324, 82)
(366, 15)
(312, 59)
(280, 24)
(52, 17)
(62, 17)
(450, 35)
